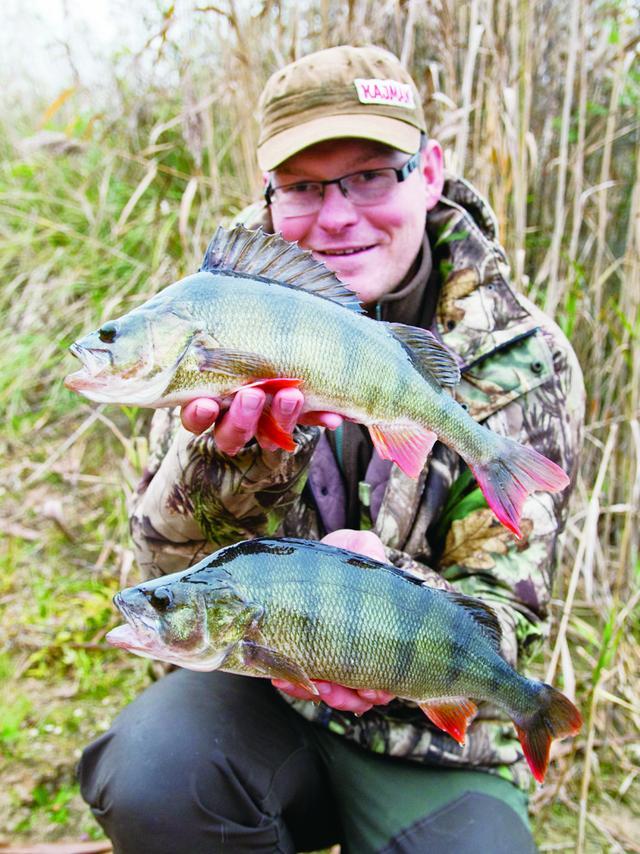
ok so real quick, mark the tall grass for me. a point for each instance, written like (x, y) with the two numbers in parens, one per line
(537, 103)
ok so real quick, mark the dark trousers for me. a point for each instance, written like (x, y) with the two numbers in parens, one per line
(208, 762)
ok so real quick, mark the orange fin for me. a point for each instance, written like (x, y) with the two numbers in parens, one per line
(556, 717)
(515, 473)
(452, 715)
(270, 431)
(273, 384)
(407, 446)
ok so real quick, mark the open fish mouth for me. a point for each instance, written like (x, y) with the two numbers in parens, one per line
(93, 361)
(139, 633)
(128, 637)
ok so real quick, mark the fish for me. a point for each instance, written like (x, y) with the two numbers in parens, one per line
(262, 312)
(300, 610)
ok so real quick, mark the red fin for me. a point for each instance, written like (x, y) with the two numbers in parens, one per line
(273, 384)
(270, 431)
(509, 478)
(453, 715)
(556, 717)
(407, 446)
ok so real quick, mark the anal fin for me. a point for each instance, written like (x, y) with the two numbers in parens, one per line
(275, 665)
(407, 446)
(452, 715)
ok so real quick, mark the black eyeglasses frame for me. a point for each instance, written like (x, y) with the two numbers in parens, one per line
(402, 173)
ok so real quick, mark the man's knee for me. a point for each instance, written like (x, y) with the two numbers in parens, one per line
(124, 780)
(188, 753)
(159, 801)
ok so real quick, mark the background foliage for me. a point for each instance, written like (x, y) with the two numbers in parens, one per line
(108, 193)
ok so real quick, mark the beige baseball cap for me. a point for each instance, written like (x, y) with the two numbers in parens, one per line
(361, 92)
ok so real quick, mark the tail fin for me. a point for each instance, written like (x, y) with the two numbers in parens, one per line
(510, 477)
(555, 717)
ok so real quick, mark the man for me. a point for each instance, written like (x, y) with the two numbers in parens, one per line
(214, 762)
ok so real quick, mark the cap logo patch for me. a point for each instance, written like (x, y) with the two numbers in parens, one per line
(391, 92)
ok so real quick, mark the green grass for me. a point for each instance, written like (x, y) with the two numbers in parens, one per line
(68, 260)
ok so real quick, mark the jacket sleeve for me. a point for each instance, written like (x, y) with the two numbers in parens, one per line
(193, 498)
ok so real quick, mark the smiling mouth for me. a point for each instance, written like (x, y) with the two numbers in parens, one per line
(340, 253)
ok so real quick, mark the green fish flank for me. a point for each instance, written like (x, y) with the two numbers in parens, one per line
(302, 611)
(262, 311)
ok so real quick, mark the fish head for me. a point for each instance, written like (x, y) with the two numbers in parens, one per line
(132, 359)
(191, 623)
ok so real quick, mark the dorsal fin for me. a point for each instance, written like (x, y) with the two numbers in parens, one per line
(482, 613)
(427, 353)
(268, 256)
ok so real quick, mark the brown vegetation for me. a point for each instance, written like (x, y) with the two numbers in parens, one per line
(537, 104)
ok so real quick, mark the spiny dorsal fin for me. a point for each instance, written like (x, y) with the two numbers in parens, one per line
(427, 353)
(482, 613)
(268, 256)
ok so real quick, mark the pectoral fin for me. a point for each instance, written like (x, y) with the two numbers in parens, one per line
(270, 431)
(406, 445)
(452, 715)
(275, 665)
(209, 356)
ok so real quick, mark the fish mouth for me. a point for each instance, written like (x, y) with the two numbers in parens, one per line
(88, 376)
(128, 637)
(100, 380)
(140, 633)
(94, 360)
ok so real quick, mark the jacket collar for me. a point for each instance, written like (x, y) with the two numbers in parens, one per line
(478, 312)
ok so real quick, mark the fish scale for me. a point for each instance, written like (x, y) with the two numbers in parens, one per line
(301, 611)
(261, 312)
(362, 614)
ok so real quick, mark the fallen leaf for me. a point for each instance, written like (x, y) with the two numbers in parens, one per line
(474, 540)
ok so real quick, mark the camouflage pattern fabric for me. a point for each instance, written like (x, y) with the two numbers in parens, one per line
(519, 376)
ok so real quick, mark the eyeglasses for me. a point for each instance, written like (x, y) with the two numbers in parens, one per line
(368, 187)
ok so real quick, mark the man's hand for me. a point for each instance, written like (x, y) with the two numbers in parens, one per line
(338, 696)
(238, 425)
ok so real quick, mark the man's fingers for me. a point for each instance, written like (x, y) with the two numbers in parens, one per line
(363, 542)
(238, 425)
(378, 698)
(330, 420)
(340, 697)
(198, 415)
(293, 690)
(286, 407)
(336, 696)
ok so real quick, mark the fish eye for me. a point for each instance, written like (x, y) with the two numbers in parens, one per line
(161, 599)
(107, 333)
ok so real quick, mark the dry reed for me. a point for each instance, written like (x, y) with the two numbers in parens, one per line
(538, 104)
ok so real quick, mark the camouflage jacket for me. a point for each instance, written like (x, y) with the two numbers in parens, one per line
(519, 376)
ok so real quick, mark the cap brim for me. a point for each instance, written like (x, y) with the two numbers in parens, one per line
(392, 132)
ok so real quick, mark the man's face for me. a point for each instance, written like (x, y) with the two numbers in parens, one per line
(371, 249)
